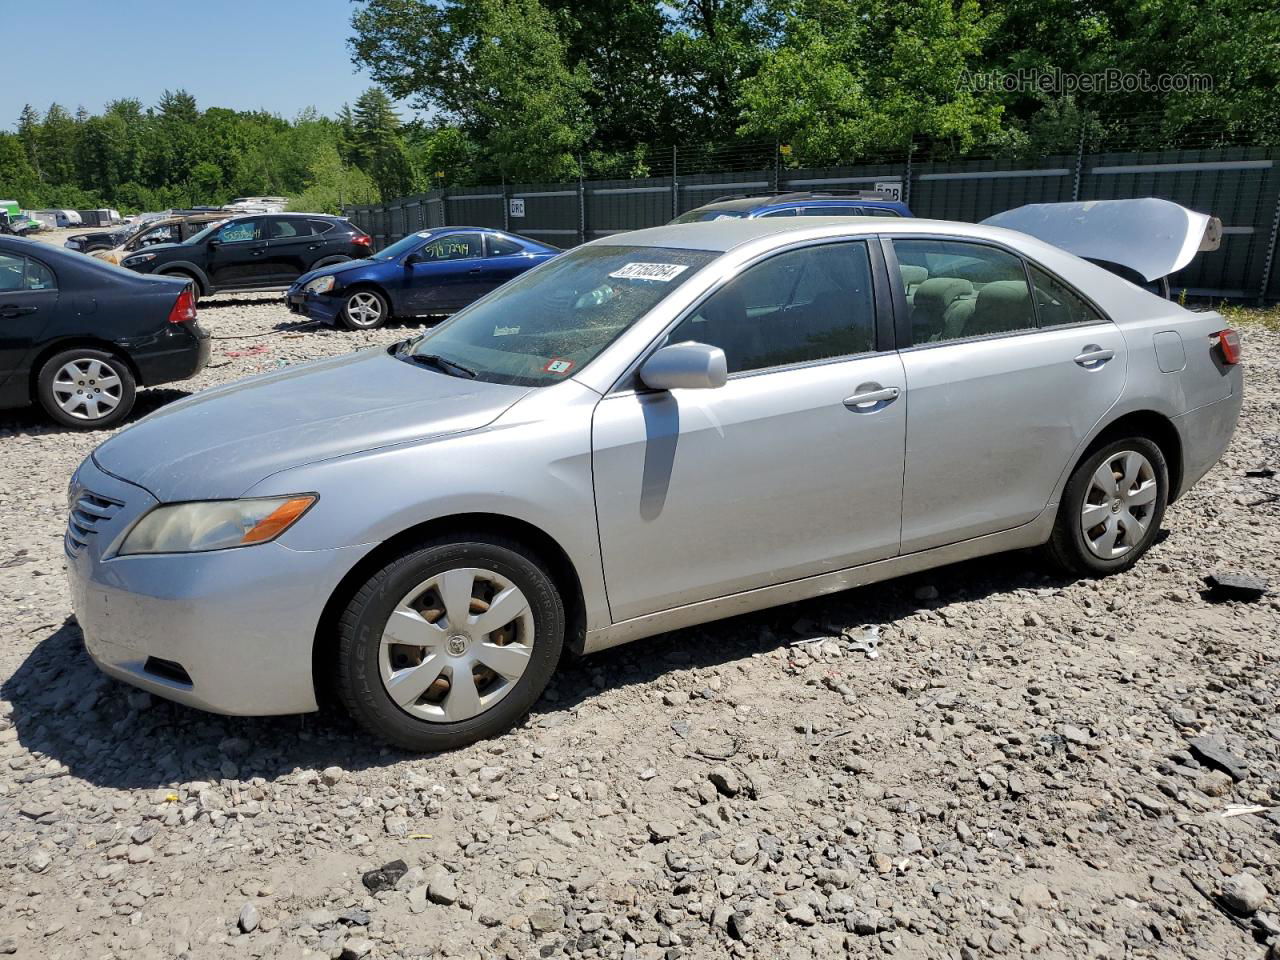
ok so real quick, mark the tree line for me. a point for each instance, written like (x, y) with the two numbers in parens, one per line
(553, 89)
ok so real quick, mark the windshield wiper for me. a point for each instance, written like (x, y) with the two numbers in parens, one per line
(440, 363)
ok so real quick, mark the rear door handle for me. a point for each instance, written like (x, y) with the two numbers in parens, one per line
(869, 396)
(1093, 356)
(10, 310)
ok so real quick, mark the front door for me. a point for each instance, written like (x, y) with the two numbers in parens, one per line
(1006, 380)
(28, 297)
(444, 274)
(237, 257)
(792, 469)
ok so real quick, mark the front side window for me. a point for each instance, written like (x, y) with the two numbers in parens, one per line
(549, 323)
(453, 246)
(238, 231)
(1059, 305)
(803, 305)
(12, 273)
(784, 212)
(962, 290)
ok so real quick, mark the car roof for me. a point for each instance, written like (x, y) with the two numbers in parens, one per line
(724, 235)
(762, 201)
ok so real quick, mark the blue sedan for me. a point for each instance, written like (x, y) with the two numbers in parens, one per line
(431, 272)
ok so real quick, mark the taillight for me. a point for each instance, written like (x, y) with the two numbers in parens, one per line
(362, 239)
(184, 308)
(1228, 344)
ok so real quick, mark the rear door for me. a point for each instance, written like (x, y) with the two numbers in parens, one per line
(28, 298)
(446, 273)
(1007, 369)
(504, 259)
(291, 248)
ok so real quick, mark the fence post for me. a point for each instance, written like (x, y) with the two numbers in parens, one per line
(675, 186)
(1075, 184)
(582, 206)
(1271, 256)
(777, 172)
(506, 206)
(906, 177)
(444, 207)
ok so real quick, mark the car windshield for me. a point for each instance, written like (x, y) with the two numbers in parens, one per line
(549, 323)
(402, 246)
(709, 213)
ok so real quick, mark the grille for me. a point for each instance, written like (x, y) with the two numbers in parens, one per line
(87, 513)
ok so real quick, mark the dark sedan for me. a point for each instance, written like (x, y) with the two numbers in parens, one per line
(79, 336)
(432, 272)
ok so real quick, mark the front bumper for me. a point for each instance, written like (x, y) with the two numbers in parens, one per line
(314, 306)
(238, 624)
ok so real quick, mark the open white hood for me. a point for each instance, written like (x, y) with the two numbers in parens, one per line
(1150, 236)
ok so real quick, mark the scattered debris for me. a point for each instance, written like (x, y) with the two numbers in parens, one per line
(1225, 587)
(386, 876)
(1241, 810)
(868, 641)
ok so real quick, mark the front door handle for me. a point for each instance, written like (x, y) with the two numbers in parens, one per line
(473, 271)
(1093, 356)
(870, 397)
(10, 310)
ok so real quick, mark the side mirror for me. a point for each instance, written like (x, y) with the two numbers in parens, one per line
(211, 243)
(686, 366)
(414, 257)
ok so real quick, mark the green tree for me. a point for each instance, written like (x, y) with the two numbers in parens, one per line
(29, 134)
(378, 146)
(58, 136)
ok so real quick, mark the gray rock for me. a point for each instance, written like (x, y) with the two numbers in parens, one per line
(249, 918)
(660, 831)
(386, 876)
(725, 780)
(332, 775)
(1214, 753)
(1243, 894)
(443, 890)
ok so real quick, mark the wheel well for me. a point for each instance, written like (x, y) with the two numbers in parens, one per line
(43, 357)
(508, 528)
(368, 285)
(328, 262)
(190, 275)
(1157, 428)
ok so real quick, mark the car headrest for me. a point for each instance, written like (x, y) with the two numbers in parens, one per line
(725, 307)
(938, 293)
(912, 274)
(1001, 305)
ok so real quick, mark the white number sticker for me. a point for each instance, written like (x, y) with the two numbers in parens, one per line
(661, 272)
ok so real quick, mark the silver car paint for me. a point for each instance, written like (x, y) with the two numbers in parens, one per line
(415, 446)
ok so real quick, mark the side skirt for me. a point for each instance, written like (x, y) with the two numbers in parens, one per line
(1030, 534)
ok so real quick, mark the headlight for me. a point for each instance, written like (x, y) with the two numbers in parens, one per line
(319, 285)
(215, 524)
(139, 258)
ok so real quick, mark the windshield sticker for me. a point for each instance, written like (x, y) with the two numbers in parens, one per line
(661, 272)
(558, 366)
(505, 331)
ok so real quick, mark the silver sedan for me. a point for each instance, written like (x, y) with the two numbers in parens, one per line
(651, 431)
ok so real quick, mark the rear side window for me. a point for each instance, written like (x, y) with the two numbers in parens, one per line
(957, 290)
(803, 305)
(502, 247)
(281, 228)
(843, 210)
(1059, 305)
(321, 226)
(39, 277)
(12, 272)
(784, 212)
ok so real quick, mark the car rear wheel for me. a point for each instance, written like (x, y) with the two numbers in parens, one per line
(450, 643)
(1111, 508)
(365, 310)
(86, 389)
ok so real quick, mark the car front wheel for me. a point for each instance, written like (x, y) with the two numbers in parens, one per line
(450, 643)
(1111, 508)
(86, 389)
(365, 310)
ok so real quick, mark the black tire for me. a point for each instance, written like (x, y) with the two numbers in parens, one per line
(360, 630)
(355, 300)
(53, 387)
(1068, 547)
(196, 290)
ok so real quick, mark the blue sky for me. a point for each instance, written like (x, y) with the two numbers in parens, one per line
(279, 55)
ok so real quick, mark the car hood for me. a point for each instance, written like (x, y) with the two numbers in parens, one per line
(221, 442)
(1151, 236)
(336, 268)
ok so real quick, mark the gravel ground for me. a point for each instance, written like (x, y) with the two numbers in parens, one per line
(1030, 766)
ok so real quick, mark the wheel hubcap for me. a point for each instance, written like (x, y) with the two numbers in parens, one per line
(364, 309)
(87, 388)
(456, 644)
(1119, 505)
